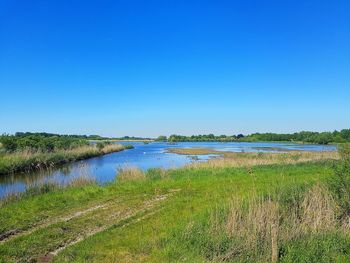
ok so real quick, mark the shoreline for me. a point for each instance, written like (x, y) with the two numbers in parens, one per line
(24, 162)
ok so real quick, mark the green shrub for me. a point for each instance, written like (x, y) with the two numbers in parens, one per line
(161, 138)
(100, 145)
(38, 142)
(9, 143)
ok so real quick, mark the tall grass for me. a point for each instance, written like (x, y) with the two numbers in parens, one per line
(126, 174)
(257, 228)
(25, 161)
(253, 159)
(340, 182)
(47, 187)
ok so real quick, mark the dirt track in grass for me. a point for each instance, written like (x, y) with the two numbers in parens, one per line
(43, 241)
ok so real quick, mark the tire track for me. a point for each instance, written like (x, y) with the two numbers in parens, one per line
(133, 215)
(12, 234)
(76, 227)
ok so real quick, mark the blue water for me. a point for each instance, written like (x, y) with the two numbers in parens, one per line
(143, 156)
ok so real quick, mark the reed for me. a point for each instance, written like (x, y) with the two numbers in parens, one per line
(258, 226)
(319, 210)
(130, 174)
(25, 161)
(83, 179)
(254, 159)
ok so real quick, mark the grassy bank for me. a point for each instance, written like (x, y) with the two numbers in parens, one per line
(252, 212)
(24, 161)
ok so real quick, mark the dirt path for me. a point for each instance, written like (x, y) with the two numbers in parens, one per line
(11, 234)
(135, 216)
(53, 236)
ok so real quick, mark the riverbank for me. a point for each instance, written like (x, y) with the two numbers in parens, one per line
(252, 213)
(25, 161)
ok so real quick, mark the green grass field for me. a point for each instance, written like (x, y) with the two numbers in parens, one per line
(260, 213)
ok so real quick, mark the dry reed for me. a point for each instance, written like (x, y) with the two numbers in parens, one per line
(253, 159)
(130, 174)
(35, 160)
(258, 226)
(318, 210)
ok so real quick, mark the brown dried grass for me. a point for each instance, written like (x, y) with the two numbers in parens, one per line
(130, 174)
(259, 224)
(319, 210)
(253, 159)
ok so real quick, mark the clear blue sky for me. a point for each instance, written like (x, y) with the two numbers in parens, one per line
(147, 68)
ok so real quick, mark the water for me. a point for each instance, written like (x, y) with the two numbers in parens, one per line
(144, 156)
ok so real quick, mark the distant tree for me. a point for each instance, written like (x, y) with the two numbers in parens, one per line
(8, 142)
(323, 138)
(40, 141)
(239, 136)
(345, 133)
(161, 138)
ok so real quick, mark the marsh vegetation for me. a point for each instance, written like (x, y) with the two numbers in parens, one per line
(266, 208)
(24, 153)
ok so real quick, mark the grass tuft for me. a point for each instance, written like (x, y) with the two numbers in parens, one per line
(258, 227)
(130, 174)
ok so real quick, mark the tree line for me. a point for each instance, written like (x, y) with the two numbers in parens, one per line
(45, 142)
(304, 136)
(49, 142)
(46, 134)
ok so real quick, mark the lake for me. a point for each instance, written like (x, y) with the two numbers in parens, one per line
(143, 156)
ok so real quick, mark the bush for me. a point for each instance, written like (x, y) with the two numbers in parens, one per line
(100, 145)
(39, 142)
(8, 143)
(161, 138)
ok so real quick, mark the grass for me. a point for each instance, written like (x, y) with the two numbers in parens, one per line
(81, 180)
(259, 228)
(25, 161)
(253, 212)
(232, 159)
(130, 174)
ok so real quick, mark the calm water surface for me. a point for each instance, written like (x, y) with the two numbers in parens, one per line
(144, 156)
